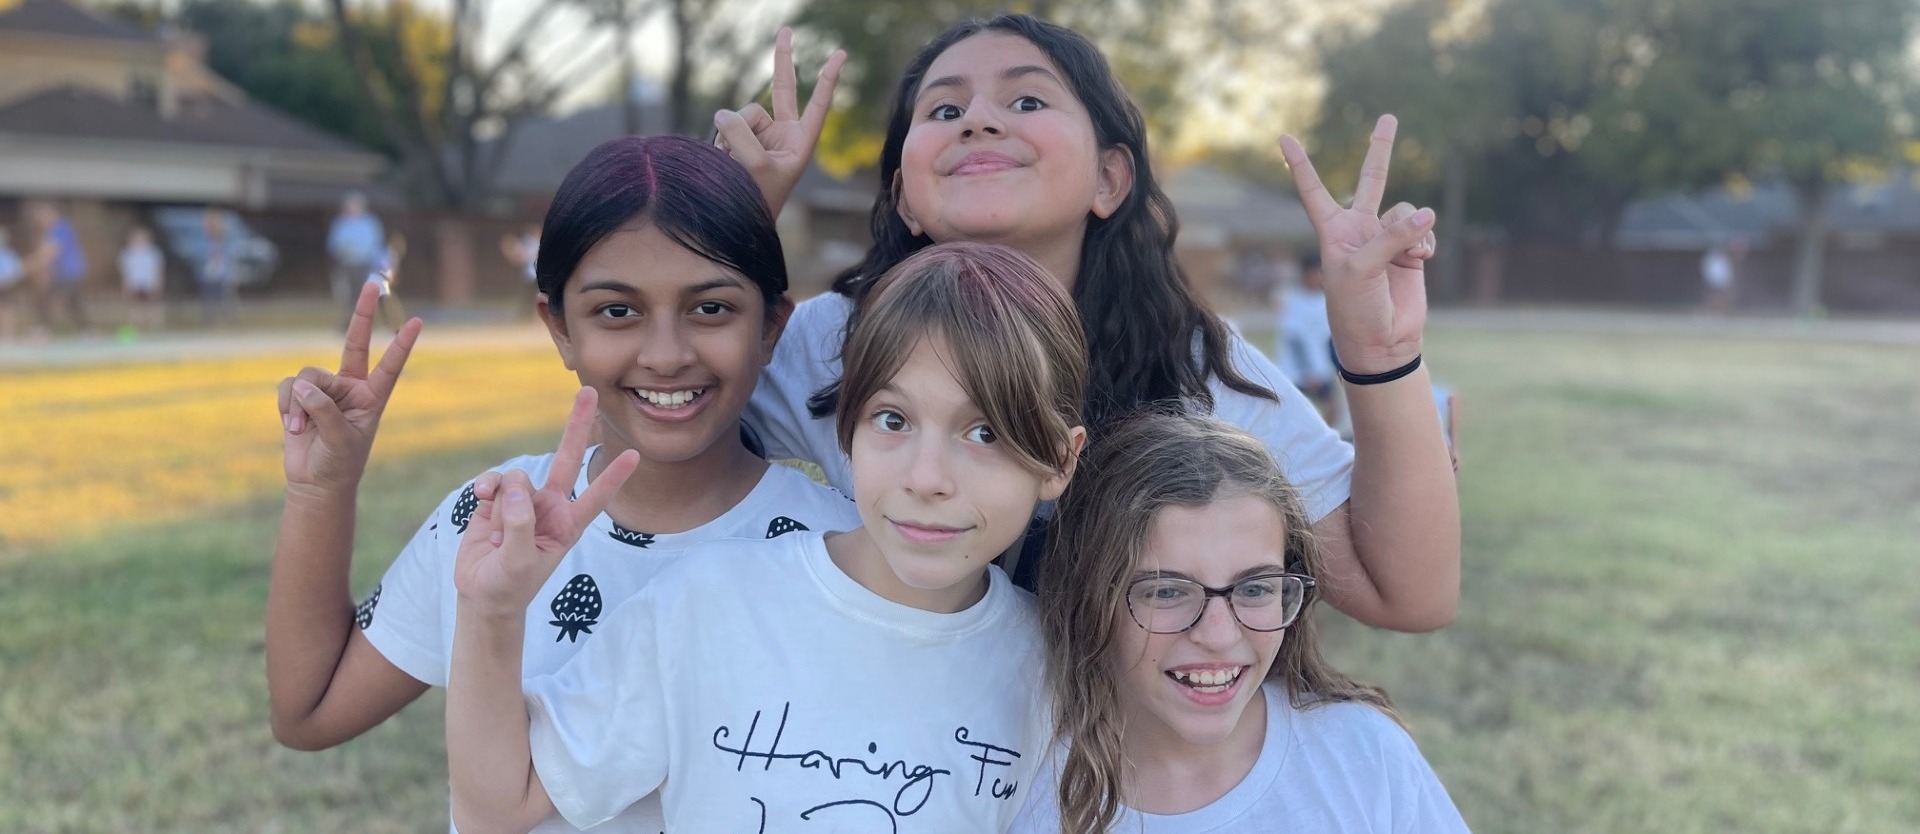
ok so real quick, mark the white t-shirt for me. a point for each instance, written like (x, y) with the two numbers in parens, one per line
(1315, 459)
(759, 688)
(1338, 768)
(409, 616)
(140, 268)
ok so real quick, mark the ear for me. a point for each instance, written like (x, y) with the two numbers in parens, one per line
(776, 324)
(1116, 181)
(900, 208)
(556, 328)
(1055, 484)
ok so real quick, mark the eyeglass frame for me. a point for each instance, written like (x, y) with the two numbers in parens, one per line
(1208, 593)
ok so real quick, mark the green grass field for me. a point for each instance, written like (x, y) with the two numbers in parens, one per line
(1692, 604)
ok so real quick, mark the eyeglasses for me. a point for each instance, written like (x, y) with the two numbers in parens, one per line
(1170, 605)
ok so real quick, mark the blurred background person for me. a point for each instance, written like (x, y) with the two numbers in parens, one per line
(12, 283)
(217, 269)
(1716, 272)
(357, 243)
(1305, 338)
(388, 310)
(141, 275)
(56, 270)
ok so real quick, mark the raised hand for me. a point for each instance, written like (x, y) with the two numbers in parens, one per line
(1375, 264)
(776, 148)
(519, 533)
(330, 418)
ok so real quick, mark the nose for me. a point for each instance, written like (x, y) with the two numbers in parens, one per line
(1217, 627)
(929, 474)
(665, 349)
(982, 117)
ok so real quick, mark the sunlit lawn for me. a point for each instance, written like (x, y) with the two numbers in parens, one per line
(1692, 593)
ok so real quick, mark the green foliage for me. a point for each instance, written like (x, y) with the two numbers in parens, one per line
(283, 53)
(1570, 109)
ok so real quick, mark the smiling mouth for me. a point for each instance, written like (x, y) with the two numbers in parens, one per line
(1207, 681)
(669, 400)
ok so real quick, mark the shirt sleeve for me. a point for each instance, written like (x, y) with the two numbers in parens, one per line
(1314, 458)
(806, 360)
(403, 616)
(598, 725)
(1420, 803)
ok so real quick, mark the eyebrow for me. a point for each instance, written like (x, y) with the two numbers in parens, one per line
(1012, 73)
(1256, 570)
(614, 285)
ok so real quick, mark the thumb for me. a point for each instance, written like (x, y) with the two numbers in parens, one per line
(1393, 239)
(321, 409)
(738, 138)
(516, 521)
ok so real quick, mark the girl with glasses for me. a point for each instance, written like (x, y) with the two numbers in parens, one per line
(883, 679)
(1189, 692)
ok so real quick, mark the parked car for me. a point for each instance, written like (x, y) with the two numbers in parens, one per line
(182, 233)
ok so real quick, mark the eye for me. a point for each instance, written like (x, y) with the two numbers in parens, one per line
(712, 308)
(888, 421)
(1255, 589)
(945, 112)
(617, 311)
(982, 433)
(1027, 104)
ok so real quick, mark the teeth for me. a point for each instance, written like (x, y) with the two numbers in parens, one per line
(665, 399)
(1208, 677)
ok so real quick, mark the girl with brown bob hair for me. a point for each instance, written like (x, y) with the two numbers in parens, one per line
(882, 678)
(1179, 715)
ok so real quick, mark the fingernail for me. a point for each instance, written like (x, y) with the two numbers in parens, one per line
(286, 420)
(303, 388)
(516, 495)
(1423, 217)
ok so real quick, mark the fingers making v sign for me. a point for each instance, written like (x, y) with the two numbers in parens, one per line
(330, 418)
(1375, 264)
(777, 147)
(519, 533)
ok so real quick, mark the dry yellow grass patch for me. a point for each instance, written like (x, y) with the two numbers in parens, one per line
(90, 448)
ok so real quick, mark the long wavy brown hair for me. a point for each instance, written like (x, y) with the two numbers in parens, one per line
(1157, 459)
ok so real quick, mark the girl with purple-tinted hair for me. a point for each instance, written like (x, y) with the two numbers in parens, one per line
(662, 283)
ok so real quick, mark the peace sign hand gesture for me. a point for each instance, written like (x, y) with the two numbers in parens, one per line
(1375, 264)
(330, 418)
(776, 148)
(518, 534)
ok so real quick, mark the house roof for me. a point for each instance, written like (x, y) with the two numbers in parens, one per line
(1701, 219)
(1206, 196)
(57, 17)
(79, 113)
(544, 149)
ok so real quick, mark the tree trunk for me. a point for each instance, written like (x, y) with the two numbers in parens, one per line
(680, 76)
(1453, 228)
(1810, 254)
(629, 103)
(453, 237)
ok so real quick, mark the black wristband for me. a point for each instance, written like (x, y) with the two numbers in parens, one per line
(1376, 379)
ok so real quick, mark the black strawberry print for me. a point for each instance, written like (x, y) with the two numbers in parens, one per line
(363, 615)
(783, 525)
(463, 508)
(632, 537)
(576, 609)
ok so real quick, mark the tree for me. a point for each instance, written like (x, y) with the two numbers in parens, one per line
(1818, 89)
(282, 53)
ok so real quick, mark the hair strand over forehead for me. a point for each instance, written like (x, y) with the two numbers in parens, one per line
(1009, 334)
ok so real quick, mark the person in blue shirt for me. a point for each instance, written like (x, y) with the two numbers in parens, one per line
(357, 243)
